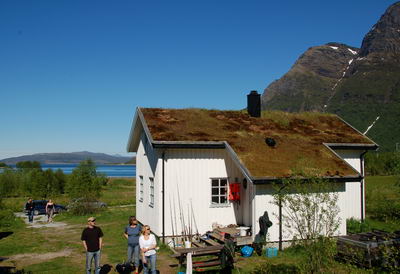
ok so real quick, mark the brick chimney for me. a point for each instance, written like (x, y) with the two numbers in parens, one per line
(254, 104)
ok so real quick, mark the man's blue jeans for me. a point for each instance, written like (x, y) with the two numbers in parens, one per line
(150, 260)
(30, 216)
(133, 254)
(90, 256)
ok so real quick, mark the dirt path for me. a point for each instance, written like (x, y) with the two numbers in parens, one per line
(27, 259)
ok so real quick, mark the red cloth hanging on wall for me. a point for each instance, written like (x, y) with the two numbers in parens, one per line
(234, 192)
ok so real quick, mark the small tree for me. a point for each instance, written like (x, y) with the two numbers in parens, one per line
(39, 184)
(61, 181)
(8, 183)
(310, 213)
(85, 185)
(28, 164)
(84, 181)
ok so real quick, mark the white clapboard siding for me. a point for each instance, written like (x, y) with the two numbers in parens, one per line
(353, 189)
(147, 167)
(264, 202)
(188, 174)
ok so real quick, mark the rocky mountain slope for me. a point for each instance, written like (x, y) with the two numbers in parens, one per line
(359, 85)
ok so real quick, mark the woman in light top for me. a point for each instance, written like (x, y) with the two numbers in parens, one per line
(148, 245)
(132, 233)
(50, 211)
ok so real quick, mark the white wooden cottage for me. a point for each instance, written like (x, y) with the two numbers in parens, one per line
(186, 160)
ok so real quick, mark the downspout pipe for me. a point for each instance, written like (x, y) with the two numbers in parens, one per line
(362, 184)
(280, 224)
(163, 197)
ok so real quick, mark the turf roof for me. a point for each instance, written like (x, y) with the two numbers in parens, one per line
(299, 137)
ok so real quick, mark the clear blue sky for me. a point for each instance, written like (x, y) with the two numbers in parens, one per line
(72, 72)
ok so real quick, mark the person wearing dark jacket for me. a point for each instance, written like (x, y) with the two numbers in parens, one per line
(30, 209)
(227, 255)
(92, 240)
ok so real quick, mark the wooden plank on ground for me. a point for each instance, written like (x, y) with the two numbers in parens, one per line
(231, 230)
(210, 242)
(197, 250)
(243, 240)
(195, 263)
(217, 236)
(198, 244)
(206, 264)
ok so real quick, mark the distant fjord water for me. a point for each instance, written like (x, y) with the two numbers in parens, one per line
(108, 170)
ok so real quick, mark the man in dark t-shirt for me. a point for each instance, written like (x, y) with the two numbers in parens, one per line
(92, 239)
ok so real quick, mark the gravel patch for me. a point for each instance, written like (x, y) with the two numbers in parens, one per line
(39, 221)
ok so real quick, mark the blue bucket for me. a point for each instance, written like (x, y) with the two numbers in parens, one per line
(247, 251)
(271, 252)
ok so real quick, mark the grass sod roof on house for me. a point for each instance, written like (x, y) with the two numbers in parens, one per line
(299, 137)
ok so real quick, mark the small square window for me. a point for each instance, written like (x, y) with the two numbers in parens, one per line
(151, 191)
(219, 191)
(141, 187)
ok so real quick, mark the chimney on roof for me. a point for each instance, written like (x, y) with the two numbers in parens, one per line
(254, 104)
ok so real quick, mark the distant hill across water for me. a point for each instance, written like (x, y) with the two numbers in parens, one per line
(71, 158)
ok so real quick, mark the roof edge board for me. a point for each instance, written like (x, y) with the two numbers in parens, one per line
(239, 163)
(373, 146)
(357, 131)
(340, 158)
(261, 181)
(133, 127)
(187, 144)
(144, 125)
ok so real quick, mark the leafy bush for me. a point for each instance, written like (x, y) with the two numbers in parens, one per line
(309, 209)
(85, 182)
(7, 218)
(356, 226)
(31, 182)
(391, 258)
(84, 207)
(382, 163)
(268, 267)
(383, 208)
(310, 212)
(85, 185)
(319, 255)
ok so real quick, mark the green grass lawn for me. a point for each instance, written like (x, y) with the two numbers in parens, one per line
(119, 192)
(42, 242)
(382, 197)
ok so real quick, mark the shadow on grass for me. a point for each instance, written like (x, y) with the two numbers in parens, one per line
(11, 269)
(5, 234)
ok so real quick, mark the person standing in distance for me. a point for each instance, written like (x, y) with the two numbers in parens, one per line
(50, 211)
(92, 240)
(30, 208)
(132, 233)
(148, 247)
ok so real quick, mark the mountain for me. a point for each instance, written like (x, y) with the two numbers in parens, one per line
(358, 84)
(68, 158)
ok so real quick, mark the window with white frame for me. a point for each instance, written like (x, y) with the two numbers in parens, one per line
(141, 187)
(151, 191)
(219, 191)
